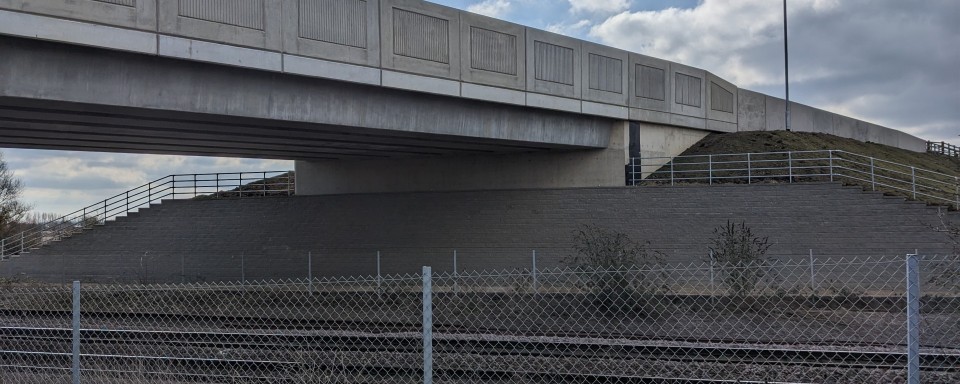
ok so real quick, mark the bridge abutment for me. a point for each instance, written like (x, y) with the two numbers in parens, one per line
(542, 169)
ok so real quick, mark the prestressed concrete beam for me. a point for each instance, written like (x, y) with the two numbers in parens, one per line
(59, 73)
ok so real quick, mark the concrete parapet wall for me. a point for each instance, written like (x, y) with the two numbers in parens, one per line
(759, 112)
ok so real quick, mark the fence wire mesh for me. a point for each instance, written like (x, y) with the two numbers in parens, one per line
(835, 320)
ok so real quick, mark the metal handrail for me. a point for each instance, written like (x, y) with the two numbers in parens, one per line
(793, 166)
(177, 186)
(943, 148)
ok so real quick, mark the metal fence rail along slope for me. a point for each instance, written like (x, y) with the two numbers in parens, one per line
(841, 321)
(799, 166)
(180, 186)
(943, 148)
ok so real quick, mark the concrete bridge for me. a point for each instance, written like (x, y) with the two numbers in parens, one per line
(365, 95)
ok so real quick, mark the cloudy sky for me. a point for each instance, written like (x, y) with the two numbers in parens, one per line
(891, 62)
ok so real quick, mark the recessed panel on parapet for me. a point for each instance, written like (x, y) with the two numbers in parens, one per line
(721, 104)
(250, 23)
(419, 37)
(604, 74)
(492, 52)
(553, 64)
(345, 31)
(650, 83)
(121, 13)
(689, 86)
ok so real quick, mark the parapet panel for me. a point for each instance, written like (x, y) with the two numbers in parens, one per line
(605, 74)
(493, 52)
(553, 64)
(137, 14)
(721, 104)
(250, 23)
(337, 30)
(420, 38)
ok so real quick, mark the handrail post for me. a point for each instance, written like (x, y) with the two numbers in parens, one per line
(790, 166)
(671, 169)
(749, 170)
(873, 175)
(104, 211)
(710, 168)
(913, 181)
(194, 185)
(264, 184)
(957, 180)
(217, 177)
(830, 152)
(126, 200)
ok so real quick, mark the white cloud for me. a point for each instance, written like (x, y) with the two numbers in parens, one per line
(569, 29)
(888, 62)
(599, 6)
(492, 8)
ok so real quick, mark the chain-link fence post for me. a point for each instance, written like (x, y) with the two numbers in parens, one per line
(427, 326)
(75, 350)
(533, 272)
(456, 277)
(913, 319)
(310, 272)
(813, 274)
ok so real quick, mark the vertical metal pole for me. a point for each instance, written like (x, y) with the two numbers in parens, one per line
(126, 200)
(633, 171)
(243, 271)
(427, 327)
(310, 272)
(194, 184)
(455, 273)
(533, 272)
(873, 175)
(104, 211)
(183, 269)
(75, 352)
(712, 287)
(957, 180)
(913, 181)
(671, 170)
(149, 193)
(813, 281)
(786, 67)
(710, 168)
(749, 170)
(830, 152)
(790, 165)
(379, 278)
(913, 319)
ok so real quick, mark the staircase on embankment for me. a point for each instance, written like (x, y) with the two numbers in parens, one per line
(271, 238)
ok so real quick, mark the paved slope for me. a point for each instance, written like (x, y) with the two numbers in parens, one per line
(270, 238)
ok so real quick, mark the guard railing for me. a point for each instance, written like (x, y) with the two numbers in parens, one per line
(179, 186)
(943, 148)
(796, 166)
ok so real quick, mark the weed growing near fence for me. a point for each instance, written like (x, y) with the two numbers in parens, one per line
(621, 274)
(740, 255)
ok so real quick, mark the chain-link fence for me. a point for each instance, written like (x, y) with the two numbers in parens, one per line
(864, 320)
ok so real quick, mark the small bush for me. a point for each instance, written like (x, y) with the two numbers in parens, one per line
(621, 273)
(740, 256)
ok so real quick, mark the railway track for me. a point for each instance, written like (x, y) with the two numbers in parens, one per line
(47, 341)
